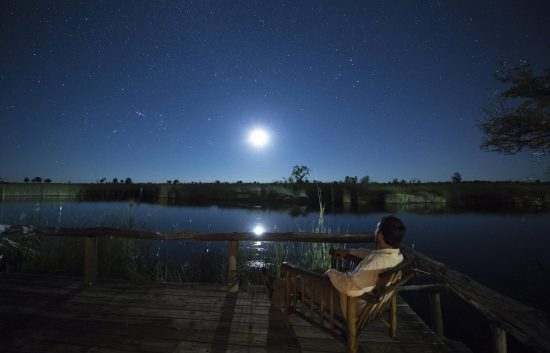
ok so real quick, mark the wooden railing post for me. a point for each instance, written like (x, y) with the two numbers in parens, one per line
(232, 278)
(90, 260)
(498, 335)
(287, 295)
(437, 315)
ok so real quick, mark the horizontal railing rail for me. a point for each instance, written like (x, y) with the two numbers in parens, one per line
(189, 235)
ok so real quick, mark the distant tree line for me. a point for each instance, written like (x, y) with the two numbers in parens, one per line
(126, 181)
(37, 180)
(300, 172)
(299, 175)
(100, 181)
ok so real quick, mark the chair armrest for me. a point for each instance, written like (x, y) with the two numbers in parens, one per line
(297, 270)
(343, 253)
(338, 255)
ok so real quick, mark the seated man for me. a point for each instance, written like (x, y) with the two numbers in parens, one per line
(388, 235)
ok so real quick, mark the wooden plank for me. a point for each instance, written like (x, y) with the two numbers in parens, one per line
(397, 347)
(196, 303)
(102, 329)
(73, 282)
(256, 326)
(28, 345)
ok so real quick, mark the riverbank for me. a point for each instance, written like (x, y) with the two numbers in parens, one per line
(470, 195)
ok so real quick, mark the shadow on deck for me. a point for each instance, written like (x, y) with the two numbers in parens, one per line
(56, 314)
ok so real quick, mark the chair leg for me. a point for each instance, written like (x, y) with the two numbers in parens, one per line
(393, 316)
(352, 339)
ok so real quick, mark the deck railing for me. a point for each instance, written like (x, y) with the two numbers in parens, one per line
(529, 326)
(90, 236)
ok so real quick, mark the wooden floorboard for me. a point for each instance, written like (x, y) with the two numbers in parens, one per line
(56, 314)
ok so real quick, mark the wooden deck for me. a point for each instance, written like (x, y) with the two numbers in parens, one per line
(56, 314)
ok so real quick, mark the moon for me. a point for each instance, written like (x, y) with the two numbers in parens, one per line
(258, 230)
(258, 138)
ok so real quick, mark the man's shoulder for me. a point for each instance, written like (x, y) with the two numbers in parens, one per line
(382, 259)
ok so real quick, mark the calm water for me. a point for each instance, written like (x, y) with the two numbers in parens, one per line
(505, 251)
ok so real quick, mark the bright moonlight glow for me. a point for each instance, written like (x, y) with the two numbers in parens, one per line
(258, 230)
(259, 138)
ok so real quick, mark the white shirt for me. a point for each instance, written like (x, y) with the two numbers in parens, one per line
(363, 278)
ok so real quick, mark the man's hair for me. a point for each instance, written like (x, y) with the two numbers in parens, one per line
(393, 230)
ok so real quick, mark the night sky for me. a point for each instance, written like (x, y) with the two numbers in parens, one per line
(163, 90)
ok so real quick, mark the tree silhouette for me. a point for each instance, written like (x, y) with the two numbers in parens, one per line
(176, 181)
(128, 181)
(365, 179)
(299, 174)
(519, 117)
(115, 181)
(48, 180)
(26, 180)
(350, 180)
(36, 180)
(456, 177)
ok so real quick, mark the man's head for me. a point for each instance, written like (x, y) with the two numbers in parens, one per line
(389, 231)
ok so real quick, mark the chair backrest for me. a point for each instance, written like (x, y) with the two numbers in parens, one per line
(382, 297)
(391, 279)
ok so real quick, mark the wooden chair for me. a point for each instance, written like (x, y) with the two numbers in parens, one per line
(311, 296)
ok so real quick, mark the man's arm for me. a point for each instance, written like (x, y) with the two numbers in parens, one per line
(360, 252)
(350, 283)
